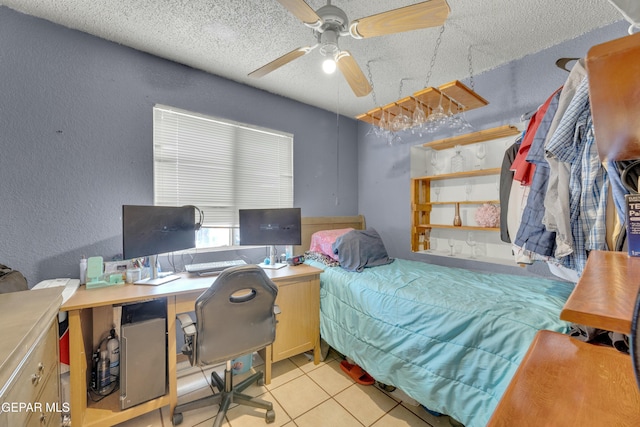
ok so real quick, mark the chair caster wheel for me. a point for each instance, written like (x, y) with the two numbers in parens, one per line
(177, 419)
(270, 416)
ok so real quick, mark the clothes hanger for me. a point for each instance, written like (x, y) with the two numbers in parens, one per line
(562, 63)
(526, 116)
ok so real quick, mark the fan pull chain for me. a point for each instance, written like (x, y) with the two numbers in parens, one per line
(337, 191)
(435, 54)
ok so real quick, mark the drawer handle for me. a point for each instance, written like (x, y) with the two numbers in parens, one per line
(35, 379)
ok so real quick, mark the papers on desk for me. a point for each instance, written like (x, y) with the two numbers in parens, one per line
(70, 286)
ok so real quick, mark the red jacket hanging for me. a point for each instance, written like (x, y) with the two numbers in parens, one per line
(523, 170)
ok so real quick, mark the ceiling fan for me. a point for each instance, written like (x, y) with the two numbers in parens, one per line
(329, 23)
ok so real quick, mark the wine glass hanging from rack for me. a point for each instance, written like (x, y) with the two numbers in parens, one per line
(425, 112)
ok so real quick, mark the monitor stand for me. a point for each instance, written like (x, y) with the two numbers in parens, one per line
(156, 279)
(273, 265)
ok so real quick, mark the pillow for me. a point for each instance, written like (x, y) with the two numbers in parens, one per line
(322, 241)
(358, 249)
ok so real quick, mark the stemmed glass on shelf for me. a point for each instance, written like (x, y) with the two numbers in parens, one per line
(481, 153)
(436, 190)
(471, 241)
(436, 161)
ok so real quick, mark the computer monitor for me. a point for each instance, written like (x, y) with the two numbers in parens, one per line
(153, 230)
(277, 226)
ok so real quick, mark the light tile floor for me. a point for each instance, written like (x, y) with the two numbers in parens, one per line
(303, 395)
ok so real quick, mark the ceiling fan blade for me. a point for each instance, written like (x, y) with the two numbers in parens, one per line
(352, 73)
(302, 11)
(427, 14)
(279, 62)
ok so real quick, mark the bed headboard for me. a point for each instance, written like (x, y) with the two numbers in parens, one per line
(316, 223)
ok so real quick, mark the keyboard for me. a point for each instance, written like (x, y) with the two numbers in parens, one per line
(212, 267)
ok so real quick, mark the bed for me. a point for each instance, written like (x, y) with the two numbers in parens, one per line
(449, 338)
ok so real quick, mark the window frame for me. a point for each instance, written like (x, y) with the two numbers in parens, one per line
(251, 151)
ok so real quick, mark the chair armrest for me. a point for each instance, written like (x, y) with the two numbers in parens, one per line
(187, 324)
(190, 335)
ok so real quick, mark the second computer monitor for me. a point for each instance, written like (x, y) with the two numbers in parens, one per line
(278, 226)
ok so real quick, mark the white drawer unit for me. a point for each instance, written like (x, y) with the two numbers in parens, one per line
(29, 371)
(49, 410)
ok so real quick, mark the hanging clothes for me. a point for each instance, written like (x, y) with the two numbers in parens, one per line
(523, 170)
(594, 194)
(517, 202)
(558, 188)
(573, 203)
(532, 233)
(506, 178)
(573, 146)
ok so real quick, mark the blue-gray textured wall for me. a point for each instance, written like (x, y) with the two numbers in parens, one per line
(76, 141)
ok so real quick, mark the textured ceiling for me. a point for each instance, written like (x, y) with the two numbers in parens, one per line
(233, 38)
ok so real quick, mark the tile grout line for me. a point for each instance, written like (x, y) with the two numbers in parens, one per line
(306, 373)
(331, 397)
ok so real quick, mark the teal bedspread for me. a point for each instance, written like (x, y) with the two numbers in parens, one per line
(450, 338)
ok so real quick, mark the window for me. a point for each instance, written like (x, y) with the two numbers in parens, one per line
(219, 166)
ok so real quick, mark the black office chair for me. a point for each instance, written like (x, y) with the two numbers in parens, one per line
(234, 317)
(634, 341)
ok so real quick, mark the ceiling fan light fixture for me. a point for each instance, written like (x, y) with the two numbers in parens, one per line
(329, 43)
(329, 66)
(329, 23)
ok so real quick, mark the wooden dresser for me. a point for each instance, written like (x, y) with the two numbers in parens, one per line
(29, 358)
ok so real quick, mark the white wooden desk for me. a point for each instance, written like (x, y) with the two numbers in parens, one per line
(91, 312)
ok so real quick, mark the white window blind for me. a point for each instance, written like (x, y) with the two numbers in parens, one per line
(219, 166)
